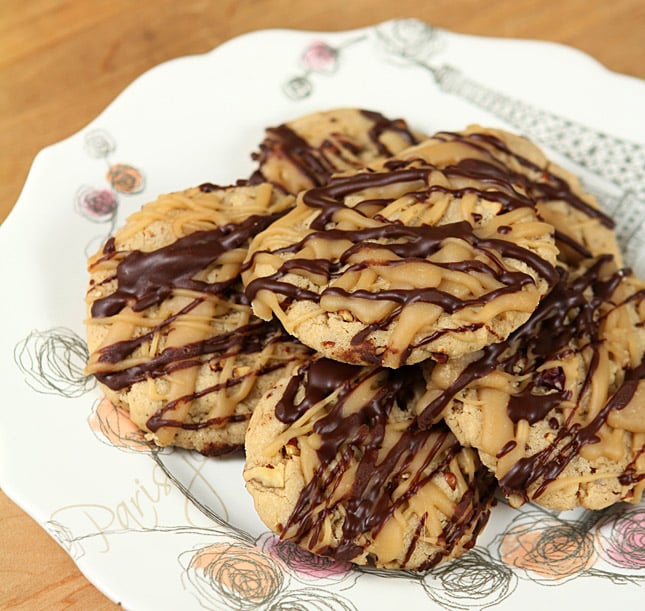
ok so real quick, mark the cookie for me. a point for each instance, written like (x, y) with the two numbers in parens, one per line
(336, 463)
(582, 229)
(305, 152)
(171, 336)
(406, 260)
(557, 411)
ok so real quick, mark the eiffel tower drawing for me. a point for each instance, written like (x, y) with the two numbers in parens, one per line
(618, 163)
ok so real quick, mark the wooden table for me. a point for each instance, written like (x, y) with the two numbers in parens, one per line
(63, 61)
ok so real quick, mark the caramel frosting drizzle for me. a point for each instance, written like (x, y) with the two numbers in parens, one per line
(582, 229)
(178, 308)
(574, 372)
(408, 236)
(290, 159)
(376, 470)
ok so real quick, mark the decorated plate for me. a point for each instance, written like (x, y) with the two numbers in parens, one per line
(163, 529)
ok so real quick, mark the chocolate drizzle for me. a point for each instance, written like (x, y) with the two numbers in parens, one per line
(318, 163)
(406, 242)
(547, 333)
(282, 141)
(145, 279)
(548, 188)
(354, 439)
(323, 376)
(249, 339)
(567, 320)
(545, 466)
(381, 125)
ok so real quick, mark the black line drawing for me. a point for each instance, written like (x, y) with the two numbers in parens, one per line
(113, 427)
(237, 576)
(311, 599)
(52, 362)
(122, 177)
(547, 549)
(232, 575)
(207, 511)
(614, 159)
(473, 581)
(305, 566)
(617, 164)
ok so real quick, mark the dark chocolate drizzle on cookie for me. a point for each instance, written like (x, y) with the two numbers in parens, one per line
(406, 242)
(145, 279)
(317, 163)
(548, 187)
(368, 505)
(567, 319)
(249, 339)
(546, 465)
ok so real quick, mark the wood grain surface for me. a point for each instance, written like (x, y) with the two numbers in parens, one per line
(62, 62)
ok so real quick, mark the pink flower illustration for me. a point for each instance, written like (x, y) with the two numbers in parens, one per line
(98, 205)
(320, 57)
(301, 561)
(621, 538)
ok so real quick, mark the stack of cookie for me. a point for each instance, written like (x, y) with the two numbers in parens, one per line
(395, 326)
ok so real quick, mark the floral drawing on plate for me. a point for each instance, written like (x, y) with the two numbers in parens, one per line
(620, 537)
(100, 204)
(238, 576)
(123, 178)
(52, 362)
(112, 425)
(318, 58)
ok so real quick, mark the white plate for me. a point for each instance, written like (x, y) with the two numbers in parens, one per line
(173, 530)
